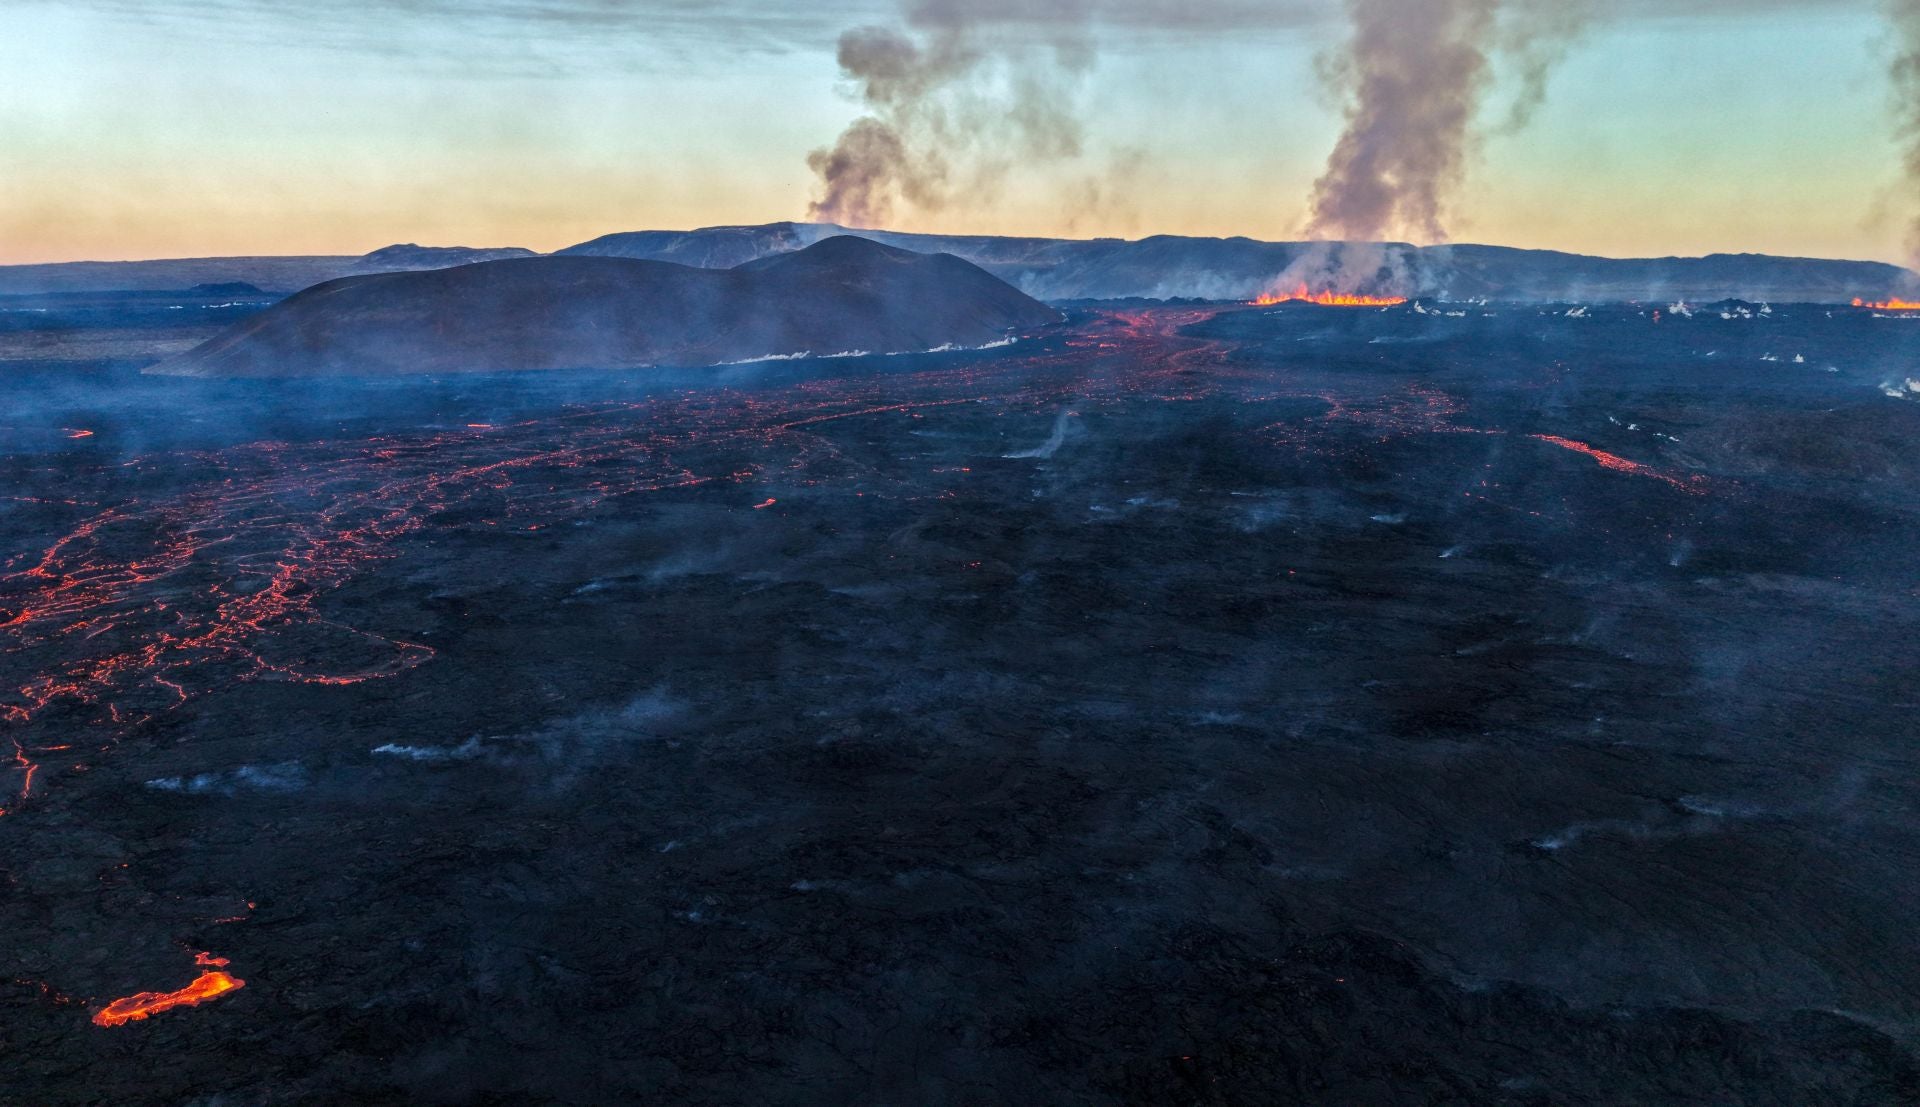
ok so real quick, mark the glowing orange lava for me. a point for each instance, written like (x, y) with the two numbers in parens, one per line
(128, 607)
(1621, 465)
(208, 985)
(1895, 304)
(1326, 299)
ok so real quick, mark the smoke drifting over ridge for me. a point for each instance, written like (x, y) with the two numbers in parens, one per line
(1906, 90)
(1416, 77)
(951, 104)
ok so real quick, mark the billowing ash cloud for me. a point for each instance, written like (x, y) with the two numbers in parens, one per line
(1906, 88)
(1355, 268)
(1415, 77)
(953, 102)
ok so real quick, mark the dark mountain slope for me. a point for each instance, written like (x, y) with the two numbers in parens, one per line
(841, 295)
(711, 248)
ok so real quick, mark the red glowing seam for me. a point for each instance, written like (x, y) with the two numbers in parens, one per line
(225, 919)
(46, 990)
(28, 769)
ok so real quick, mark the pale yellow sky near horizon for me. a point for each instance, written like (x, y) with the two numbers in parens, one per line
(130, 133)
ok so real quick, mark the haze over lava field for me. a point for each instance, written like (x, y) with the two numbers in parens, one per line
(1187, 704)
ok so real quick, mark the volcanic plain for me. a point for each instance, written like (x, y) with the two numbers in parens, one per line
(1188, 703)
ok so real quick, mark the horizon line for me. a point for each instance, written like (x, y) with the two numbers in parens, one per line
(1910, 267)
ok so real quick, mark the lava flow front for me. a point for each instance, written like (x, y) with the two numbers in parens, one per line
(1895, 304)
(1326, 299)
(210, 984)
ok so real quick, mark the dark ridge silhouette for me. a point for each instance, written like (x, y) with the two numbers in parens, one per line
(1055, 269)
(407, 255)
(841, 296)
(280, 275)
(1169, 266)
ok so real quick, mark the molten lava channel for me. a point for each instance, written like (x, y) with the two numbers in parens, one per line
(1618, 464)
(1326, 299)
(211, 984)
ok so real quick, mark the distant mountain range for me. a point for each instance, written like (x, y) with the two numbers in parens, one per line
(280, 275)
(407, 256)
(1166, 267)
(840, 296)
(1161, 267)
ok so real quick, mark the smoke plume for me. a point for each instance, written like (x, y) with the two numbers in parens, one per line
(1536, 35)
(1415, 76)
(953, 102)
(1354, 268)
(1906, 87)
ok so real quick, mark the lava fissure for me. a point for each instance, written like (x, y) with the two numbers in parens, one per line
(1303, 295)
(1693, 486)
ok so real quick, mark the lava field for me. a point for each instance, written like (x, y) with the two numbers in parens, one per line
(1478, 704)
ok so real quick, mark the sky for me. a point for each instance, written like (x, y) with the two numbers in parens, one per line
(183, 128)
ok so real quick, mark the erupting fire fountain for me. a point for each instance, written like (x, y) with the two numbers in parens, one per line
(1326, 299)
